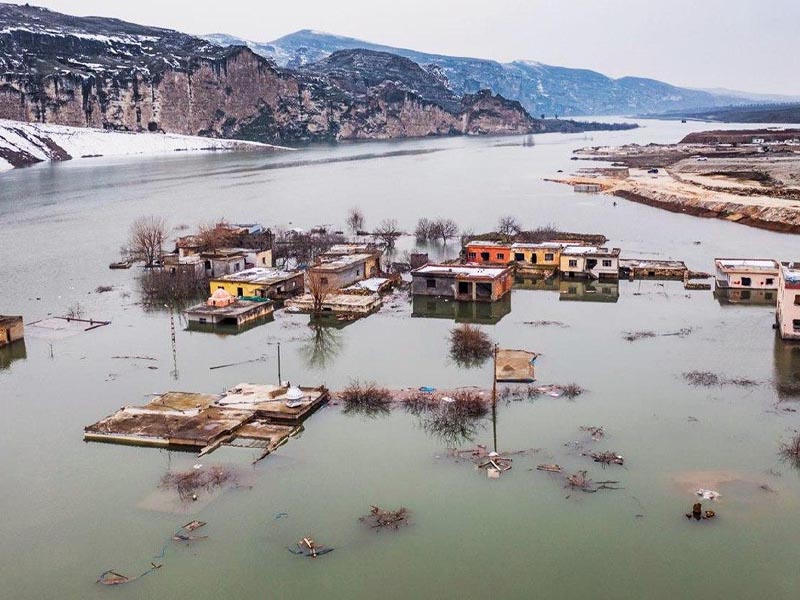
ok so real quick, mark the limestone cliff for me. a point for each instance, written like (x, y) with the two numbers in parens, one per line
(104, 73)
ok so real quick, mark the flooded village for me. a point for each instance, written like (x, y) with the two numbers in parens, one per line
(236, 363)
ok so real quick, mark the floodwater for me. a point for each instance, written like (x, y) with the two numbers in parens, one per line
(70, 510)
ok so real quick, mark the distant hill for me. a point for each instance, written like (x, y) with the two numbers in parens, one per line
(541, 89)
(751, 113)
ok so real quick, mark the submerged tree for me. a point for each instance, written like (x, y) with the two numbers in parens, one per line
(146, 240)
(388, 232)
(355, 219)
(319, 288)
(469, 345)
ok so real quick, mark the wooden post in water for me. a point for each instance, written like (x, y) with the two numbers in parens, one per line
(279, 363)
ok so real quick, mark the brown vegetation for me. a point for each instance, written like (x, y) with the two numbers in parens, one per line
(572, 390)
(379, 518)
(790, 450)
(367, 398)
(187, 483)
(709, 379)
(469, 345)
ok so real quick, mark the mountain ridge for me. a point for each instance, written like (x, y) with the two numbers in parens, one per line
(540, 88)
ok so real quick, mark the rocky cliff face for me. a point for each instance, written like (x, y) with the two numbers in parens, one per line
(105, 73)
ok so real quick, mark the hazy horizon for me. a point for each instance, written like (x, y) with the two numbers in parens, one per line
(740, 45)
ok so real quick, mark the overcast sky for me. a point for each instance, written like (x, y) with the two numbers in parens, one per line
(750, 45)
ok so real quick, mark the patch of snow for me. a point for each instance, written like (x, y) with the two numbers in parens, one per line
(36, 139)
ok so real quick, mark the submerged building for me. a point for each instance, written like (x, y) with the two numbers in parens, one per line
(11, 329)
(337, 271)
(495, 253)
(223, 309)
(470, 282)
(788, 311)
(746, 273)
(260, 282)
(589, 262)
(546, 255)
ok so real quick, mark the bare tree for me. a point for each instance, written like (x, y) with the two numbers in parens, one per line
(355, 219)
(387, 232)
(319, 288)
(423, 230)
(466, 236)
(508, 226)
(214, 236)
(146, 239)
(444, 229)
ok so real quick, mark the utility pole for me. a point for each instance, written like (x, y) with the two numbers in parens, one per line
(494, 397)
(279, 363)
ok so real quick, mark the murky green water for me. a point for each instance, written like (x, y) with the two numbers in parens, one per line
(71, 510)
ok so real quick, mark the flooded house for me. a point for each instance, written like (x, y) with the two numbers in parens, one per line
(589, 262)
(223, 262)
(645, 268)
(344, 304)
(11, 329)
(788, 312)
(496, 253)
(545, 256)
(469, 282)
(340, 271)
(260, 282)
(746, 273)
(224, 309)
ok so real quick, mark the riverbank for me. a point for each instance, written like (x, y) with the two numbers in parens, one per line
(24, 144)
(742, 184)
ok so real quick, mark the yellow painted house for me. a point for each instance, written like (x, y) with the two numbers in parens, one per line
(260, 282)
(546, 255)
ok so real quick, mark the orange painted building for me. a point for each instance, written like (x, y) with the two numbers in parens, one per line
(494, 253)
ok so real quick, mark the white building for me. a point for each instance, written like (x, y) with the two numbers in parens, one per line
(590, 262)
(746, 273)
(788, 311)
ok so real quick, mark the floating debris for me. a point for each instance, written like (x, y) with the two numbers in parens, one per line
(580, 481)
(183, 534)
(633, 336)
(379, 518)
(707, 494)
(698, 514)
(709, 379)
(551, 468)
(309, 548)
(495, 465)
(111, 577)
(606, 458)
(597, 433)
(546, 324)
